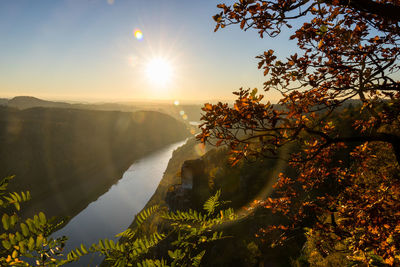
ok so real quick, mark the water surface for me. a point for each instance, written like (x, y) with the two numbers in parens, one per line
(114, 211)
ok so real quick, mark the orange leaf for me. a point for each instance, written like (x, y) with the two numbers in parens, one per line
(207, 106)
(242, 24)
(321, 43)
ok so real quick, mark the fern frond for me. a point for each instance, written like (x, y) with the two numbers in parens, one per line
(4, 183)
(212, 203)
(128, 234)
(197, 259)
(145, 214)
(142, 245)
(185, 216)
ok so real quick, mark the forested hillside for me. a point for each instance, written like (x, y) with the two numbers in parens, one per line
(183, 112)
(68, 157)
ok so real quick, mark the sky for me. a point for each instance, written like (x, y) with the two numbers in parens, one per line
(86, 50)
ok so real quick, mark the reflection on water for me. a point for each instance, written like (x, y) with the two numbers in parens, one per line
(114, 211)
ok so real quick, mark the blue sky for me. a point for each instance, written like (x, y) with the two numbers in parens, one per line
(86, 50)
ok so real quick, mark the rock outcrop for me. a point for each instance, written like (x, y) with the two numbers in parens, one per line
(193, 189)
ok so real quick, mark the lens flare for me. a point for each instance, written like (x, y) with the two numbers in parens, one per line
(138, 34)
(176, 102)
(200, 149)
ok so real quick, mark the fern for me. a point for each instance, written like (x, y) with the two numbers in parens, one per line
(197, 259)
(194, 230)
(11, 198)
(189, 216)
(191, 230)
(131, 248)
(145, 214)
(212, 203)
(128, 234)
(26, 239)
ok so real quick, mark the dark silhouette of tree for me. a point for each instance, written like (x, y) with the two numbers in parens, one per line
(347, 50)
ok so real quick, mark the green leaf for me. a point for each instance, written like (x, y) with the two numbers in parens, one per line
(14, 254)
(42, 218)
(112, 244)
(13, 220)
(6, 221)
(12, 239)
(106, 243)
(39, 241)
(171, 254)
(6, 244)
(18, 236)
(31, 243)
(36, 221)
(21, 245)
(24, 229)
(18, 197)
(78, 252)
(101, 244)
(31, 225)
(83, 248)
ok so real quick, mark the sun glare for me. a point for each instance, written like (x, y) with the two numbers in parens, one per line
(159, 71)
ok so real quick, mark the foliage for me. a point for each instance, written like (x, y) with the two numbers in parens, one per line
(196, 231)
(191, 231)
(346, 50)
(26, 241)
(212, 203)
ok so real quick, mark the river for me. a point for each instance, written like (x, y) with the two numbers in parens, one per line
(114, 211)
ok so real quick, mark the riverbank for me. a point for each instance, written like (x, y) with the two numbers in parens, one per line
(67, 158)
(191, 178)
(112, 213)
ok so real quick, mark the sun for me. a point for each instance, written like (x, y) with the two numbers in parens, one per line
(159, 71)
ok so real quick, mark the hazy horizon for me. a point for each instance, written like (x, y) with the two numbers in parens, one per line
(122, 100)
(113, 51)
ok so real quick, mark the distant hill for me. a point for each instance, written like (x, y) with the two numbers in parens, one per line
(24, 102)
(69, 157)
(180, 112)
(3, 101)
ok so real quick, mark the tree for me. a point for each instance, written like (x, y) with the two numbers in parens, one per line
(347, 50)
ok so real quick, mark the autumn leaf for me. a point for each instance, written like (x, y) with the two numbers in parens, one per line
(207, 107)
